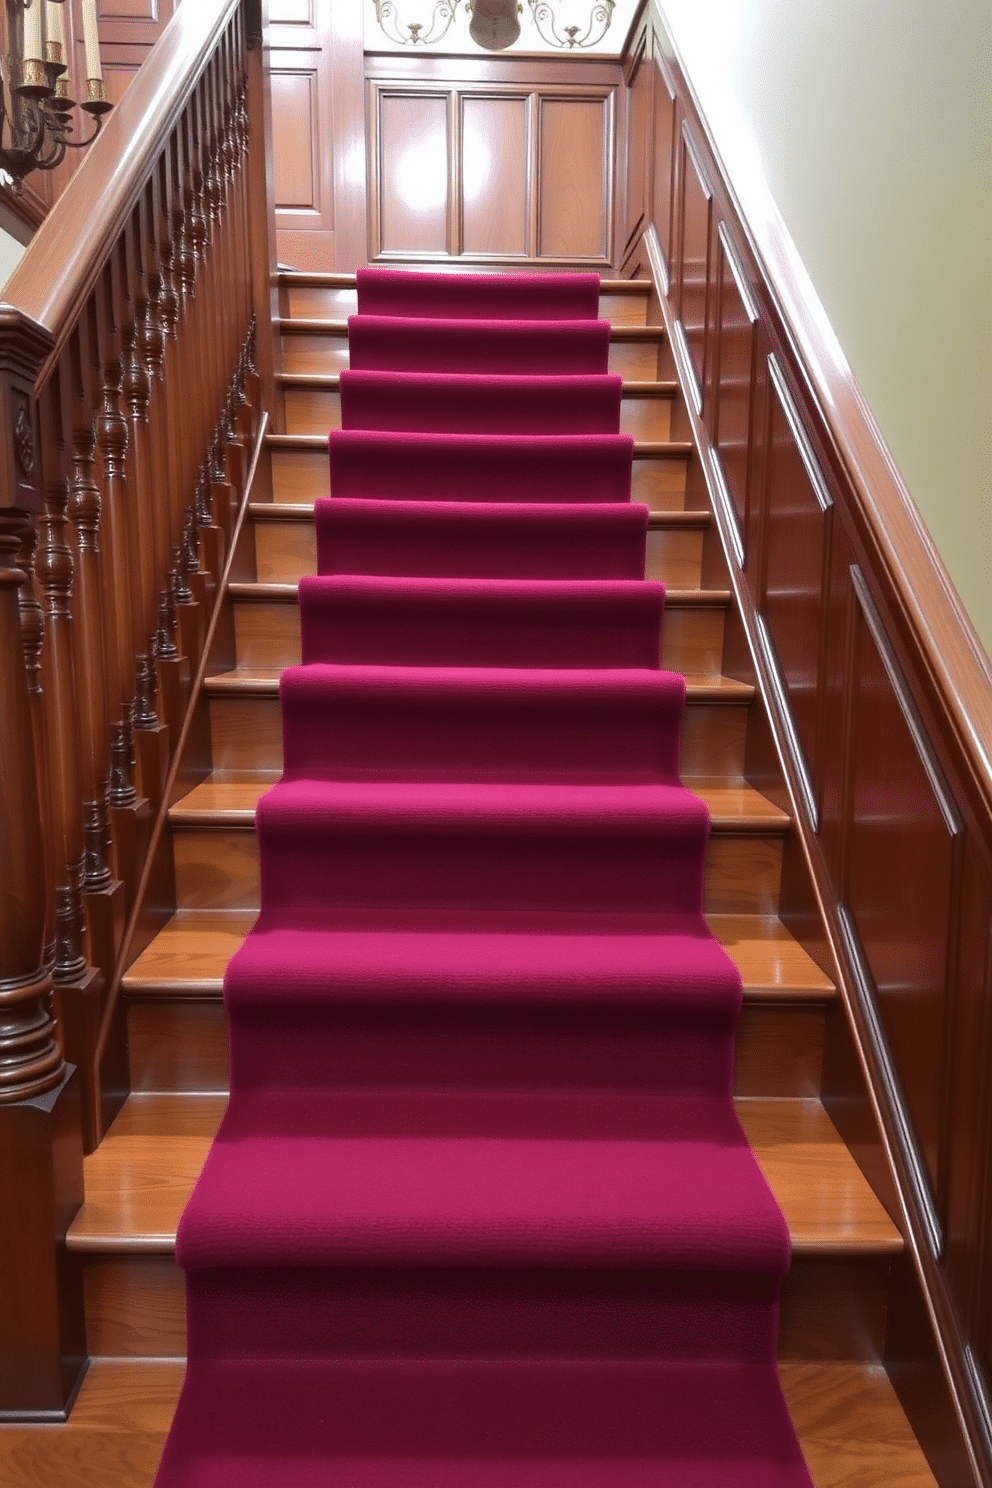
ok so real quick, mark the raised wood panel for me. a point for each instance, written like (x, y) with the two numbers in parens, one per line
(796, 525)
(292, 12)
(662, 154)
(494, 175)
(733, 408)
(575, 148)
(694, 267)
(295, 140)
(413, 172)
(131, 10)
(638, 110)
(901, 860)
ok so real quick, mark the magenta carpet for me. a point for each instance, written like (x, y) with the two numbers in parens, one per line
(480, 1213)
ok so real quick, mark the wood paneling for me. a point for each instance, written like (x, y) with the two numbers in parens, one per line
(502, 164)
(493, 180)
(574, 207)
(412, 149)
(878, 706)
(638, 79)
(694, 267)
(295, 126)
(901, 834)
(734, 384)
(795, 551)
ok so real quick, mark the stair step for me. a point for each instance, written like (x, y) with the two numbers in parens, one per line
(216, 852)
(267, 627)
(177, 1029)
(246, 722)
(853, 1431)
(286, 544)
(621, 301)
(313, 405)
(319, 344)
(137, 1183)
(138, 1180)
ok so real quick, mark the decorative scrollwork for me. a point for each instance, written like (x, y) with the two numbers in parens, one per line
(567, 37)
(417, 33)
(24, 442)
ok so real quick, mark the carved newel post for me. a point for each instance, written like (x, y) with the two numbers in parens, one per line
(42, 1328)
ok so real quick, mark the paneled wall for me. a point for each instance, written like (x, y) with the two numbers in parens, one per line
(491, 161)
(890, 799)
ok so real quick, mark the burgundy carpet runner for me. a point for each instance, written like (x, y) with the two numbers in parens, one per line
(480, 1213)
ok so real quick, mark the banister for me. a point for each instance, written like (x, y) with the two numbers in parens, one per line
(129, 399)
(52, 282)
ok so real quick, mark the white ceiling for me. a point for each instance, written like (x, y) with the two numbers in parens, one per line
(458, 41)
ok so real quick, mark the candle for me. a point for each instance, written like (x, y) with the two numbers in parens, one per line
(91, 38)
(34, 47)
(55, 46)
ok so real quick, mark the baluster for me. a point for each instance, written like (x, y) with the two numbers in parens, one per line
(151, 736)
(103, 895)
(32, 639)
(79, 987)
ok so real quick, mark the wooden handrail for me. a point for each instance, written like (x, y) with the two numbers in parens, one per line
(52, 282)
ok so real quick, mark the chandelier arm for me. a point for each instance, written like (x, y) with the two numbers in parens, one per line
(387, 15)
(600, 17)
(82, 144)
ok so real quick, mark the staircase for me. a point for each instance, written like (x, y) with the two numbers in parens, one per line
(834, 1302)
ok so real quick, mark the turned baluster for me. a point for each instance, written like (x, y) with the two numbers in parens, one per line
(32, 639)
(137, 397)
(112, 443)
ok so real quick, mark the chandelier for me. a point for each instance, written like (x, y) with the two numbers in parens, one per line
(36, 94)
(494, 24)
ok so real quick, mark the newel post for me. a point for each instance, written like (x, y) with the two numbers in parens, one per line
(42, 1328)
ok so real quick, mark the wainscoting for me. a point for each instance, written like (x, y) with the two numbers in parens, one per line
(493, 162)
(877, 697)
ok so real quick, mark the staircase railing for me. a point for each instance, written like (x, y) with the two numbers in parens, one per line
(136, 360)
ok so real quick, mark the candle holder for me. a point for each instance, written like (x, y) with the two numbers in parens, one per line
(36, 99)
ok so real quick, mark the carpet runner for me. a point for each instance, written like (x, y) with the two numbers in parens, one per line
(480, 1212)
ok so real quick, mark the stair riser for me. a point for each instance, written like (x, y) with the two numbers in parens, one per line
(246, 734)
(301, 476)
(332, 302)
(284, 551)
(316, 410)
(180, 1045)
(218, 869)
(325, 352)
(267, 634)
(831, 1307)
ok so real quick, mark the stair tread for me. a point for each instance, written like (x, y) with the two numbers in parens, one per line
(190, 953)
(317, 278)
(853, 1431)
(274, 592)
(302, 513)
(264, 681)
(138, 1180)
(230, 801)
(643, 448)
(632, 387)
(314, 325)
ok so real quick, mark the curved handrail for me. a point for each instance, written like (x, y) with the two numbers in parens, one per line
(52, 283)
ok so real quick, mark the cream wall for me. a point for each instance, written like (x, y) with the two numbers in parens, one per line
(872, 120)
(10, 255)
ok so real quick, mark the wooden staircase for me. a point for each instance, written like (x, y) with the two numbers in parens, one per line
(834, 1302)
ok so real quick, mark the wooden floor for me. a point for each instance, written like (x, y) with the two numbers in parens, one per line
(116, 1432)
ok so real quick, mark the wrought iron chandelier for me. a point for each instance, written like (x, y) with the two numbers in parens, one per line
(494, 24)
(36, 95)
